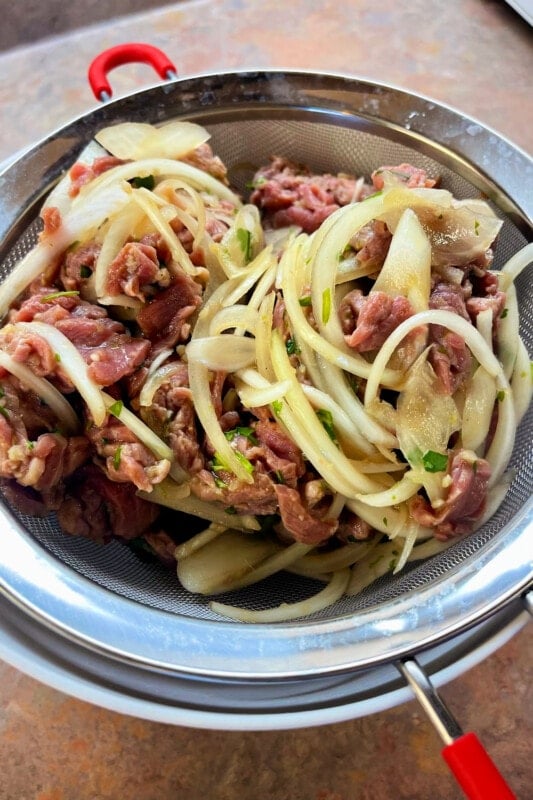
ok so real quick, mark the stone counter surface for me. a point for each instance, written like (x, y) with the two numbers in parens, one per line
(475, 55)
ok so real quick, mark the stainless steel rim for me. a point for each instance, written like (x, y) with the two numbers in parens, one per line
(107, 623)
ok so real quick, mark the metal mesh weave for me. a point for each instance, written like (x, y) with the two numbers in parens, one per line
(244, 146)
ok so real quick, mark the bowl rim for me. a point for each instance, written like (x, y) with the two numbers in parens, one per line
(105, 622)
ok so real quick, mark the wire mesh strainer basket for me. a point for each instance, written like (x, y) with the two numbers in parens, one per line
(106, 601)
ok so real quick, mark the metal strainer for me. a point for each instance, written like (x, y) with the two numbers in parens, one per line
(128, 625)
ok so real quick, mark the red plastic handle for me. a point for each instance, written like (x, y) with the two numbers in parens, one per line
(474, 770)
(126, 54)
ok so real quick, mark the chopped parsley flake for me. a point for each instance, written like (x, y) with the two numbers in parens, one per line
(116, 408)
(230, 510)
(117, 457)
(326, 418)
(305, 301)
(500, 397)
(476, 227)
(49, 297)
(248, 466)
(385, 521)
(326, 305)
(260, 181)
(244, 237)
(57, 357)
(3, 412)
(241, 431)
(146, 182)
(434, 462)
(277, 406)
(291, 347)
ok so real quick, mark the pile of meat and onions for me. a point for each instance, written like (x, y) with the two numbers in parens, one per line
(328, 377)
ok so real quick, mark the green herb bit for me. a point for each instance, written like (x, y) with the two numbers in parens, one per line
(434, 462)
(385, 521)
(244, 237)
(241, 431)
(248, 466)
(326, 305)
(117, 457)
(255, 184)
(54, 296)
(500, 397)
(326, 418)
(146, 182)
(116, 408)
(57, 357)
(30, 445)
(370, 196)
(218, 464)
(85, 271)
(277, 407)
(291, 347)
(348, 250)
(279, 476)
(230, 510)
(3, 411)
(392, 564)
(476, 227)
(305, 301)
(219, 483)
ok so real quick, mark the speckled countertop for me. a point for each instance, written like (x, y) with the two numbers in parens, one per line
(475, 55)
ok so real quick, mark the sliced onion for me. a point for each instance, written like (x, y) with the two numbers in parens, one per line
(145, 434)
(287, 611)
(158, 167)
(135, 140)
(478, 408)
(198, 540)
(72, 364)
(521, 381)
(224, 352)
(157, 379)
(406, 271)
(43, 389)
(172, 495)
(119, 231)
(402, 490)
(79, 224)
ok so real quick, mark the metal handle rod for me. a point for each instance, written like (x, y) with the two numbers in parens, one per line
(468, 760)
(528, 602)
(444, 722)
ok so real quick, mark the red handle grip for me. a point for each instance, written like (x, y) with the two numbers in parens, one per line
(126, 54)
(474, 770)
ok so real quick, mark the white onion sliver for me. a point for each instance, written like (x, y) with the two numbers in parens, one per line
(223, 352)
(145, 434)
(44, 389)
(71, 363)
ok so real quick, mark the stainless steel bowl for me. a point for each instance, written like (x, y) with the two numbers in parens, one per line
(126, 629)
